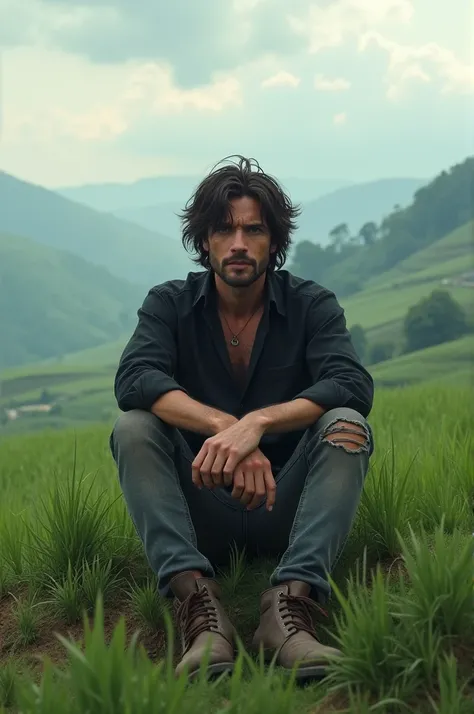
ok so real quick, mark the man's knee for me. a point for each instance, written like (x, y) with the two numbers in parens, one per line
(346, 429)
(134, 427)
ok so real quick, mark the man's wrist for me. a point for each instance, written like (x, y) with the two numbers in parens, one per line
(221, 422)
(259, 419)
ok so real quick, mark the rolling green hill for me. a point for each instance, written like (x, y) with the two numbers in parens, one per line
(382, 305)
(451, 361)
(52, 302)
(127, 250)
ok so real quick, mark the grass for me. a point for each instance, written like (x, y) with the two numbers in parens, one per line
(76, 590)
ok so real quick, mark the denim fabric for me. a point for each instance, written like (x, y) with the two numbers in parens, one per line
(184, 528)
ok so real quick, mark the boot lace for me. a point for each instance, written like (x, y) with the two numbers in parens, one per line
(297, 611)
(196, 614)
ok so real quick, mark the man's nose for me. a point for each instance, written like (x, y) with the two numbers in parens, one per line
(239, 242)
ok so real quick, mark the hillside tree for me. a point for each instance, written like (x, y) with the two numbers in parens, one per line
(368, 233)
(433, 320)
(339, 236)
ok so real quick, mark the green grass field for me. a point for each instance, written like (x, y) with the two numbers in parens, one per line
(405, 621)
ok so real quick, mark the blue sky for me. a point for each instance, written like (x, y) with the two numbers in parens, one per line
(112, 90)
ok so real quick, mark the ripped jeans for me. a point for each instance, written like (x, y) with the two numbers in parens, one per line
(183, 528)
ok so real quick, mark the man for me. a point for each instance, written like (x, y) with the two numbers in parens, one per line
(244, 422)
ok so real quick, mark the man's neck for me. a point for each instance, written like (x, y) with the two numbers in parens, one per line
(240, 302)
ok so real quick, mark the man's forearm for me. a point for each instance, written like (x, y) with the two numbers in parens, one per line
(180, 410)
(288, 416)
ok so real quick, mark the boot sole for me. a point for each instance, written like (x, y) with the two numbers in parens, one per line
(302, 674)
(311, 671)
(214, 670)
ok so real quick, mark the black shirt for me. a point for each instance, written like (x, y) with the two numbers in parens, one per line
(302, 349)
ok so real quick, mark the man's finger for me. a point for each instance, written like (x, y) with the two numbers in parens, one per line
(233, 459)
(249, 490)
(205, 469)
(239, 484)
(196, 465)
(216, 474)
(270, 488)
(259, 490)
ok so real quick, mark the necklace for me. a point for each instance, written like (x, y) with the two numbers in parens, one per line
(235, 337)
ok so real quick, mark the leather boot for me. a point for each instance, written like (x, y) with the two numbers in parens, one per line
(286, 628)
(202, 622)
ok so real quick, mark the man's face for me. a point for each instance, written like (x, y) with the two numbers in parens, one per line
(239, 250)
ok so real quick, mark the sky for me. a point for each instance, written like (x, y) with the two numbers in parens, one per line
(113, 90)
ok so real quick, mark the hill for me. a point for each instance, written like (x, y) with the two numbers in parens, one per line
(125, 249)
(450, 362)
(354, 205)
(382, 305)
(159, 190)
(162, 217)
(52, 302)
(351, 261)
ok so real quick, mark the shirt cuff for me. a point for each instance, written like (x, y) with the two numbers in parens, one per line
(147, 389)
(329, 395)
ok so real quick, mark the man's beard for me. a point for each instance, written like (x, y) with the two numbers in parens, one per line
(239, 281)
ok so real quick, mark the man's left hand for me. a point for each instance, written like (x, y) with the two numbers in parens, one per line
(218, 458)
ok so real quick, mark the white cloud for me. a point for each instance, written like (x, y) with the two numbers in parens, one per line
(102, 103)
(339, 119)
(324, 84)
(426, 63)
(153, 84)
(281, 79)
(330, 26)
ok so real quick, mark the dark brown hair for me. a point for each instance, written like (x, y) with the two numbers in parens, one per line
(208, 207)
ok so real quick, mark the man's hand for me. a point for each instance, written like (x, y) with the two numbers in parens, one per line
(253, 480)
(217, 460)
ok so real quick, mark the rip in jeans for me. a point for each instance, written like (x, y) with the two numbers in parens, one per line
(339, 428)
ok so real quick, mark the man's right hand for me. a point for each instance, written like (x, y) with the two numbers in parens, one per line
(253, 480)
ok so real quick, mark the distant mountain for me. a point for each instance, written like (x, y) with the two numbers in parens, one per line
(162, 217)
(126, 249)
(355, 205)
(122, 198)
(52, 302)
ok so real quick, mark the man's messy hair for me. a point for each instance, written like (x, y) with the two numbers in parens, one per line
(208, 207)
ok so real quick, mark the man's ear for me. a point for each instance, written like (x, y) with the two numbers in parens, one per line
(205, 245)
(273, 248)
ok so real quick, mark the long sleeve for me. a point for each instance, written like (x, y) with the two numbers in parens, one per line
(339, 379)
(147, 365)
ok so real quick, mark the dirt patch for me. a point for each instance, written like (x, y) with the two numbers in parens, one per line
(47, 644)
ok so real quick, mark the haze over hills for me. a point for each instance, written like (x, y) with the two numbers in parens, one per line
(176, 190)
(53, 302)
(126, 249)
(355, 205)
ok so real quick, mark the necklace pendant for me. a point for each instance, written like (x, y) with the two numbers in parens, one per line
(234, 341)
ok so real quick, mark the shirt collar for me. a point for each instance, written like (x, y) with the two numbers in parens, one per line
(273, 290)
